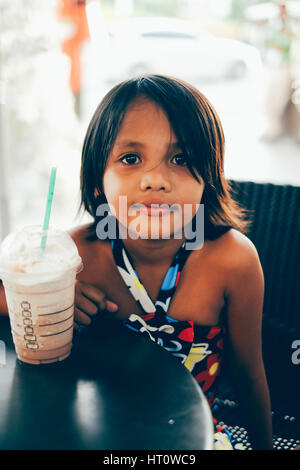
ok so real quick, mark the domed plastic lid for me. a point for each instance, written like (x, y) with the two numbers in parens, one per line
(21, 256)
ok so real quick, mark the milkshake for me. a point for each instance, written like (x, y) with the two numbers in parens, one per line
(40, 289)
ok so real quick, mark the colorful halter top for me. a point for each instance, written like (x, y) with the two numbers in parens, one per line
(199, 348)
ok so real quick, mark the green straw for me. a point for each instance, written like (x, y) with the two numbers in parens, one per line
(48, 209)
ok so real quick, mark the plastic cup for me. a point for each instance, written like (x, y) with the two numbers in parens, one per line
(40, 292)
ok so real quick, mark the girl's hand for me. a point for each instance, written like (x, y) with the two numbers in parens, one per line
(88, 302)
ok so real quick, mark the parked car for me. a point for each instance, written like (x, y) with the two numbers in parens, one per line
(173, 46)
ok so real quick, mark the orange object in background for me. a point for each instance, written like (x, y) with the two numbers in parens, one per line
(74, 10)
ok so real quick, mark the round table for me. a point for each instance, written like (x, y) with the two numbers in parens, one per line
(117, 390)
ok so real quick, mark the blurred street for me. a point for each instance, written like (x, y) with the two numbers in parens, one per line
(248, 156)
(45, 110)
(240, 105)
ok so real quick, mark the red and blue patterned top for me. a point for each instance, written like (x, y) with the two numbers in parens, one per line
(199, 348)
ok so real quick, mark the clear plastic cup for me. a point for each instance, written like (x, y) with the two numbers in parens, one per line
(40, 290)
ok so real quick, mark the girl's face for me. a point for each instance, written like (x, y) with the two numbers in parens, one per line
(147, 166)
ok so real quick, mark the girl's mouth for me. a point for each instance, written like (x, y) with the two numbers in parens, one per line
(153, 209)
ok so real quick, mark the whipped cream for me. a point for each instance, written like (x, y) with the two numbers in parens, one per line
(21, 256)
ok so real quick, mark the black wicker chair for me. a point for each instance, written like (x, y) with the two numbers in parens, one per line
(275, 231)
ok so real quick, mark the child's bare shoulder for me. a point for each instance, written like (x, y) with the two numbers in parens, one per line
(235, 247)
(238, 256)
(234, 250)
(79, 234)
(94, 253)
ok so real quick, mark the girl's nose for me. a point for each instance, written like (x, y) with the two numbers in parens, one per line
(155, 179)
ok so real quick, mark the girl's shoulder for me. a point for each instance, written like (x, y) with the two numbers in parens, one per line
(230, 249)
(236, 255)
(212, 274)
(81, 235)
(234, 246)
(93, 252)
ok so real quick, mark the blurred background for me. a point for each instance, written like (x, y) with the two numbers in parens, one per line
(59, 57)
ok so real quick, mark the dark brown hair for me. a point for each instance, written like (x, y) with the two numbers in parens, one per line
(198, 130)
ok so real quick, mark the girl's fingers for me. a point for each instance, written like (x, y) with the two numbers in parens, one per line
(86, 305)
(111, 306)
(94, 295)
(81, 317)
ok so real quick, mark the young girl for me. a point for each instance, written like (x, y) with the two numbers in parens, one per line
(154, 141)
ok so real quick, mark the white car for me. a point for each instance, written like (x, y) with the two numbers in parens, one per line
(172, 46)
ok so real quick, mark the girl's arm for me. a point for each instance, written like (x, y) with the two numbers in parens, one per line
(88, 301)
(245, 295)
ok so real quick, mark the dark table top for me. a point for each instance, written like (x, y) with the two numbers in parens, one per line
(117, 390)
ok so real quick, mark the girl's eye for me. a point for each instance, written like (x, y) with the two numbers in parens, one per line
(130, 159)
(180, 160)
